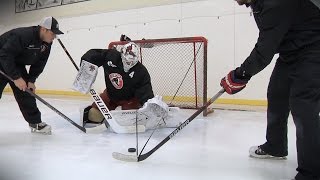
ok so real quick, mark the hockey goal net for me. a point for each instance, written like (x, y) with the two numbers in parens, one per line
(178, 69)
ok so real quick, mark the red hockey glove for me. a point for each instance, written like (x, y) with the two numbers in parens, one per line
(234, 82)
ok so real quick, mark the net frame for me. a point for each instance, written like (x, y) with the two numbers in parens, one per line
(198, 46)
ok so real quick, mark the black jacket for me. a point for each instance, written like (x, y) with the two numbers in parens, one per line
(121, 85)
(286, 27)
(20, 47)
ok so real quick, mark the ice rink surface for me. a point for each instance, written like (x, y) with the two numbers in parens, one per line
(212, 147)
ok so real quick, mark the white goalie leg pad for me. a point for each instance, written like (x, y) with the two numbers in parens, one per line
(160, 115)
(123, 118)
(174, 118)
(127, 118)
(150, 120)
(85, 78)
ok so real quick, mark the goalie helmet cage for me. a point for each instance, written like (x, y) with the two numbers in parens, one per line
(178, 69)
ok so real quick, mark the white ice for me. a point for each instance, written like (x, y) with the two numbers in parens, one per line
(214, 147)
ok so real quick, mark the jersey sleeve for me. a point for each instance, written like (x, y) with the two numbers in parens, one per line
(94, 56)
(12, 48)
(144, 88)
(274, 21)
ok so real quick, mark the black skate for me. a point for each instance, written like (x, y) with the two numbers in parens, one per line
(257, 152)
(41, 128)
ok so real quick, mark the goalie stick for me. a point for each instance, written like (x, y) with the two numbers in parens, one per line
(104, 109)
(141, 157)
(47, 104)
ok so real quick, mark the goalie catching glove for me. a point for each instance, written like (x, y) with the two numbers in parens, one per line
(124, 37)
(156, 110)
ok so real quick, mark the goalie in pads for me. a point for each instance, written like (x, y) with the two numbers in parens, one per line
(128, 88)
(128, 84)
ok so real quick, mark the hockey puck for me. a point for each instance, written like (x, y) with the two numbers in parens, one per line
(132, 150)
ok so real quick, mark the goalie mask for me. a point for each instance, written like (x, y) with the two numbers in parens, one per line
(129, 56)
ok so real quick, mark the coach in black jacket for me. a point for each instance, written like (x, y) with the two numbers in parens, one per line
(27, 46)
(292, 29)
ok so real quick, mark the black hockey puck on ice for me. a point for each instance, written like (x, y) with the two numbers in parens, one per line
(132, 150)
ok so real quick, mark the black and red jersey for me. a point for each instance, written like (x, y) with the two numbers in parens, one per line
(121, 85)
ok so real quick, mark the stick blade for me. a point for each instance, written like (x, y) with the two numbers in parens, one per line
(124, 157)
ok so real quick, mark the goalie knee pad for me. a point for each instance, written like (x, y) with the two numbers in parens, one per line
(89, 115)
(95, 115)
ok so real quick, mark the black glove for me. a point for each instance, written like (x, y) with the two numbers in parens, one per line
(123, 37)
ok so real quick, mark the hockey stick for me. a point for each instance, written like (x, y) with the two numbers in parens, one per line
(141, 157)
(47, 104)
(104, 109)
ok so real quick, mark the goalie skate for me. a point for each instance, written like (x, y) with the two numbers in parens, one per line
(41, 128)
(84, 118)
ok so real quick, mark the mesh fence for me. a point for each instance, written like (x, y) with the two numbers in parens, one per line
(177, 68)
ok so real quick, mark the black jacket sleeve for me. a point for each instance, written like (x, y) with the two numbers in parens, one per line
(94, 56)
(274, 22)
(8, 52)
(144, 88)
(37, 68)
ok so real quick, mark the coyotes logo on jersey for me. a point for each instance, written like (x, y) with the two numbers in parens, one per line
(116, 80)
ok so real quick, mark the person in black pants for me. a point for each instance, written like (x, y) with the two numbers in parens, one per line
(292, 29)
(27, 46)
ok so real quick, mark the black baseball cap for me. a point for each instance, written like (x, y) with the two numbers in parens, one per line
(51, 24)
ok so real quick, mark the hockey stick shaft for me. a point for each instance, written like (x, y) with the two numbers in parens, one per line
(47, 104)
(68, 54)
(102, 106)
(184, 124)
